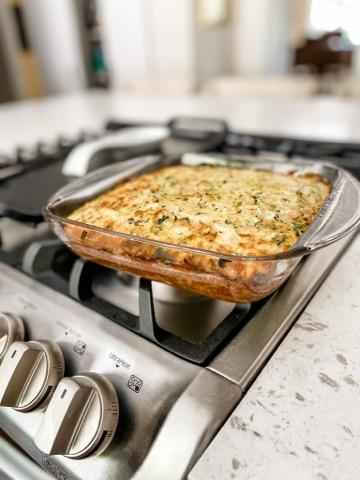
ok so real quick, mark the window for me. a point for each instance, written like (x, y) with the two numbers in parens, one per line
(330, 15)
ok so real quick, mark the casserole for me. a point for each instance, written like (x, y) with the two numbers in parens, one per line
(229, 277)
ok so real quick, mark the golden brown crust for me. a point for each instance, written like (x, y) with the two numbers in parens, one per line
(227, 210)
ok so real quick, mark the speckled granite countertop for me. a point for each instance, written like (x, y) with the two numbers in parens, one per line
(301, 418)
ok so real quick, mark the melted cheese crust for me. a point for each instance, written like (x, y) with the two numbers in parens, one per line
(222, 209)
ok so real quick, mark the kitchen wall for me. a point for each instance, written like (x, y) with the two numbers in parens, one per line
(54, 36)
(163, 41)
(213, 50)
(265, 49)
(159, 45)
(148, 41)
(170, 37)
(124, 39)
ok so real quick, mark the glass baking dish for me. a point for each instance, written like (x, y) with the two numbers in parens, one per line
(226, 277)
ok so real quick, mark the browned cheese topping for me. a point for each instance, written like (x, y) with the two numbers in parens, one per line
(222, 209)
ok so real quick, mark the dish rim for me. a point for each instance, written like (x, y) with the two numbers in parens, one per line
(300, 248)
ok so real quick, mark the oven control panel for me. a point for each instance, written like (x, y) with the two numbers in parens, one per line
(81, 411)
(66, 372)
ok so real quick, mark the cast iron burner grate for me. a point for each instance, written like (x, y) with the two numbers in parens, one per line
(50, 262)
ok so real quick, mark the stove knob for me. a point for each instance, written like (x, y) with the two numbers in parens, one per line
(29, 373)
(11, 330)
(81, 418)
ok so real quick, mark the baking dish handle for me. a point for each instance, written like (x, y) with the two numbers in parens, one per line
(339, 216)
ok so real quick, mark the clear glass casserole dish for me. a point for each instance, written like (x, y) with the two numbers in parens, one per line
(226, 277)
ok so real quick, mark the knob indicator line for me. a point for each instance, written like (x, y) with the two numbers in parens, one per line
(81, 417)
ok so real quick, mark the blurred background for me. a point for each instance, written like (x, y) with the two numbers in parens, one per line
(217, 47)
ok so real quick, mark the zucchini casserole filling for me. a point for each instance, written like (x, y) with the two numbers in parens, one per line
(226, 210)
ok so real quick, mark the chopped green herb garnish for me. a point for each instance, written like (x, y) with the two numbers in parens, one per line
(162, 219)
(279, 239)
(299, 228)
(132, 221)
(255, 223)
(256, 197)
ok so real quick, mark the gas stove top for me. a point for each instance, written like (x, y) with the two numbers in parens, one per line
(179, 363)
(33, 174)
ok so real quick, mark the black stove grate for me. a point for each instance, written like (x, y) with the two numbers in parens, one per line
(50, 262)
